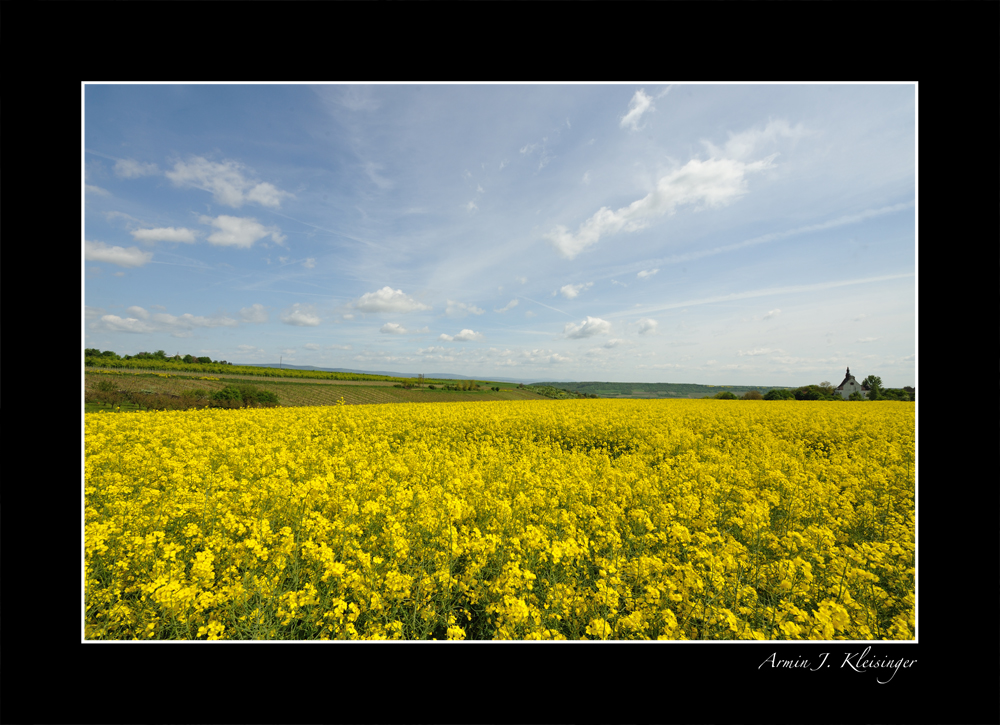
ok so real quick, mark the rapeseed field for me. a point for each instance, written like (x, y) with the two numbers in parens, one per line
(515, 520)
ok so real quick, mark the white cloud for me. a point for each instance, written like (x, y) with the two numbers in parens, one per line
(101, 252)
(569, 291)
(130, 168)
(114, 323)
(522, 280)
(471, 206)
(254, 313)
(392, 328)
(867, 339)
(309, 263)
(586, 177)
(311, 346)
(91, 189)
(339, 347)
(647, 273)
(388, 300)
(512, 303)
(460, 309)
(225, 181)
(588, 328)
(179, 326)
(300, 315)
(742, 145)
(761, 351)
(164, 234)
(188, 321)
(537, 357)
(772, 313)
(239, 231)
(712, 183)
(463, 336)
(529, 313)
(640, 104)
(613, 342)
(647, 326)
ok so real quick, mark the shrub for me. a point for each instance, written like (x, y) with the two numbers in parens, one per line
(752, 395)
(777, 394)
(724, 395)
(233, 396)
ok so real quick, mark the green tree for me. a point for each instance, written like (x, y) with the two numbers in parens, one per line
(779, 394)
(724, 395)
(752, 395)
(874, 383)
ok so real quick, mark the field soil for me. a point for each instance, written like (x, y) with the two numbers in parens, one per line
(313, 392)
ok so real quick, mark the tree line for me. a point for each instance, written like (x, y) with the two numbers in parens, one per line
(93, 352)
(826, 391)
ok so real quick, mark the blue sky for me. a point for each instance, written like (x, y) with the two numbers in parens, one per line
(718, 234)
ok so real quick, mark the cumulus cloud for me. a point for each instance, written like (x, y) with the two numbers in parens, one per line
(179, 326)
(300, 315)
(114, 323)
(588, 328)
(164, 234)
(226, 182)
(647, 273)
(460, 309)
(712, 183)
(463, 336)
(569, 291)
(772, 313)
(254, 313)
(647, 326)
(239, 232)
(640, 104)
(101, 252)
(613, 342)
(130, 169)
(512, 303)
(392, 328)
(388, 300)
(309, 263)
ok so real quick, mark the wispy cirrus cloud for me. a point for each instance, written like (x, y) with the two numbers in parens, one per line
(640, 104)
(461, 309)
(131, 169)
(711, 183)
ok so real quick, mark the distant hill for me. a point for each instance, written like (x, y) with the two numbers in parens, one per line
(659, 390)
(438, 376)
